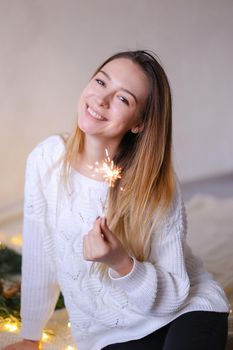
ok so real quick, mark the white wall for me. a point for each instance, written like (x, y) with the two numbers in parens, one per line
(49, 48)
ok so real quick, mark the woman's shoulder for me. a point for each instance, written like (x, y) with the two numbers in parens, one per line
(45, 158)
(48, 151)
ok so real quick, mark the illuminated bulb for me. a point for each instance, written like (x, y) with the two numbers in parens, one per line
(69, 347)
(17, 240)
(68, 324)
(11, 327)
(45, 337)
(9, 324)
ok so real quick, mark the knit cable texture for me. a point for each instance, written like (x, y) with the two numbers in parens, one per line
(115, 309)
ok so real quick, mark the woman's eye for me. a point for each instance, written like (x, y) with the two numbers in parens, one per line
(100, 82)
(124, 100)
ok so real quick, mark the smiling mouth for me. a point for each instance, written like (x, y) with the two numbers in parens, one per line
(94, 114)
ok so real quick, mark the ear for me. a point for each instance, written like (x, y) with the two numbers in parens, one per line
(138, 128)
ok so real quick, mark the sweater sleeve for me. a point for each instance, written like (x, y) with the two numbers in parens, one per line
(39, 291)
(161, 285)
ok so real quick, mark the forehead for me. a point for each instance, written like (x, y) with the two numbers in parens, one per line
(126, 74)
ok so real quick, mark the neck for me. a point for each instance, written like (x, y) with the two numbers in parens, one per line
(94, 151)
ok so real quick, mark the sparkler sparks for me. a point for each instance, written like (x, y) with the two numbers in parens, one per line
(109, 171)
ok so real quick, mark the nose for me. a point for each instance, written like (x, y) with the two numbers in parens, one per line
(103, 99)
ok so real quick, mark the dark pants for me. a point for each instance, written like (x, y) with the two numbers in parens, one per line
(197, 330)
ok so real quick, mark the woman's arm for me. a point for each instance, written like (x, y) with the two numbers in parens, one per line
(40, 290)
(160, 285)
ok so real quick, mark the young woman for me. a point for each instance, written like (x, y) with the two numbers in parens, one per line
(118, 254)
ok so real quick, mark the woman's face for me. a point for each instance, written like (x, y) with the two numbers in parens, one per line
(112, 102)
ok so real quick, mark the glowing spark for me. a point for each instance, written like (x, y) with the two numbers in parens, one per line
(68, 324)
(70, 347)
(109, 171)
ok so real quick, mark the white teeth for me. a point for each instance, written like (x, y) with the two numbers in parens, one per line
(94, 114)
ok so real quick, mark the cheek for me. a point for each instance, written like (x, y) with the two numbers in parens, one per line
(126, 116)
(122, 112)
(81, 103)
(85, 93)
(124, 122)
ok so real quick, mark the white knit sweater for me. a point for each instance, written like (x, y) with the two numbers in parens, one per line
(118, 309)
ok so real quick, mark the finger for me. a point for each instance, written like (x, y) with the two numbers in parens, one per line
(103, 223)
(96, 226)
(99, 219)
(105, 229)
(89, 247)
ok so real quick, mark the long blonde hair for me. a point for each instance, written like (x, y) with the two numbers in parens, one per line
(147, 177)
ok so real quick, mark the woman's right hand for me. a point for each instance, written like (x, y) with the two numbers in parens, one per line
(24, 345)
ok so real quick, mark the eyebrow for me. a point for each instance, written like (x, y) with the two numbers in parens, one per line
(125, 90)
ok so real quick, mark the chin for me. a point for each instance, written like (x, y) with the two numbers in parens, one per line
(86, 127)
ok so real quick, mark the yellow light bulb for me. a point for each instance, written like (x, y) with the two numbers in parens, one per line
(17, 240)
(45, 337)
(11, 327)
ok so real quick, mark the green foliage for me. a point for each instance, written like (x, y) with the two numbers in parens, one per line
(10, 262)
(60, 302)
(10, 306)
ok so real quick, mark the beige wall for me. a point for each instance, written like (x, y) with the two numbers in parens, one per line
(49, 48)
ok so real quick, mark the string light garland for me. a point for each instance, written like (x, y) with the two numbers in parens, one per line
(9, 324)
(13, 325)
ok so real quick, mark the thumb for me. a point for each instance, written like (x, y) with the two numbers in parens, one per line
(105, 229)
(96, 226)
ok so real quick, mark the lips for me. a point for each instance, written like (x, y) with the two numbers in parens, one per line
(94, 114)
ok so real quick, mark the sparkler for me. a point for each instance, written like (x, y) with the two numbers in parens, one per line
(109, 171)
